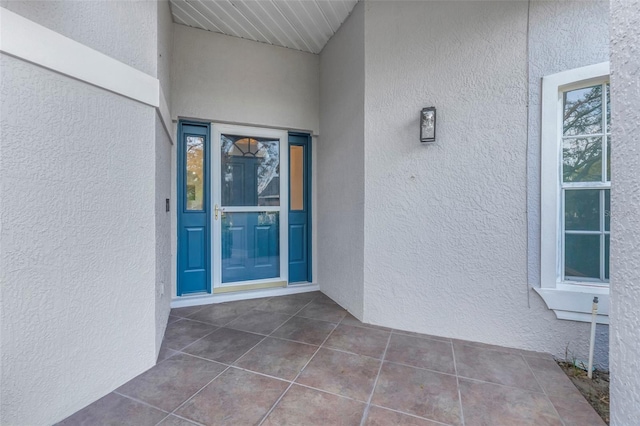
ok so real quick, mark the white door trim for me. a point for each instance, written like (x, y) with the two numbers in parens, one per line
(215, 187)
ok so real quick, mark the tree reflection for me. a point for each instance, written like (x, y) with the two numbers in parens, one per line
(582, 156)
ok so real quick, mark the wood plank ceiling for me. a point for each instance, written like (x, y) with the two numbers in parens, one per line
(303, 25)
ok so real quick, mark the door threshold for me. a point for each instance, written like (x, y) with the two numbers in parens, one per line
(207, 298)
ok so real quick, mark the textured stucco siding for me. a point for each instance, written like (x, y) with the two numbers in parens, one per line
(77, 252)
(82, 218)
(446, 224)
(163, 160)
(341, 166)
(124, 30)
(625, 208)
(223, 78)
(165, 48)
(563, 35)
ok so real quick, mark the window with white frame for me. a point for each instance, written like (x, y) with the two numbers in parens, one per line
(585, 184)
(575, 191)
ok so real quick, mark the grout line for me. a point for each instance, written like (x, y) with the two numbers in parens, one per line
(543, 390)
(197, 340)
(186, 419)
(297, 375)
(422, 368)
(501, 385)
(206, 359)
(365, 414)
(237, 367)
(409, 414)
(455, 369)
(140, 401)
(354, 353)
(331, 393)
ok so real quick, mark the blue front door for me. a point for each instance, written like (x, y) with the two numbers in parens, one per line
(194, 271)
(299, 207)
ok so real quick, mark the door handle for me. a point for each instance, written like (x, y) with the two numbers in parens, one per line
(217, 210)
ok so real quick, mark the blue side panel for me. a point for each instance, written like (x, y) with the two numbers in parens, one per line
(194, 207)
(300, 218)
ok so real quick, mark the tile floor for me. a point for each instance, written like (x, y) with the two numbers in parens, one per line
(303, 360)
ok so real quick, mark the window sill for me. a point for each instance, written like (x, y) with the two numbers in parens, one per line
(573, 302)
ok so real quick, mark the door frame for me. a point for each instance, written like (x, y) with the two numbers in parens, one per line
(216, 284)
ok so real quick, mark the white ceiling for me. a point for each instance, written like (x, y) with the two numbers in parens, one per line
(304, 25)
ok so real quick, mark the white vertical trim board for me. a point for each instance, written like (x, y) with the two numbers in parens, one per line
(31, 42)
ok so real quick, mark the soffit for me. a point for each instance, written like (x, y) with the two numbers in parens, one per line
(304, 25)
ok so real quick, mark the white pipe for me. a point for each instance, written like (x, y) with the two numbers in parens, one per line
(592, 342)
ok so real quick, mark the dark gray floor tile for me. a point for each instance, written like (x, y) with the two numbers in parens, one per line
(305, 330)
(359, 340)
(184, 332)
(289, 305)
(172, 381)
(276, 357)
(115, 410)
(341, 373)
(419, 352)
(490, 404)
(419, 392)
(323, 311)
(355, 322)
(260, 322)
(222, 313)
(176, 421)
(494, 366)
(303, 406)
(550, 376)
(382, 417)
(236, 397)
(186, 311)
(574, 410)
(224, 345)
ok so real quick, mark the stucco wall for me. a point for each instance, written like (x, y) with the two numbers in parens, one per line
(165, 48)
(625, 207)
(124, 30)
(77, 243)
(223, 78)
(340, 152)
(446, 224)
(563, 35)
(78, 219)
(162, 230)
(163, 162)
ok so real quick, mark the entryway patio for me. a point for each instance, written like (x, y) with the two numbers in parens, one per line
(303, 360)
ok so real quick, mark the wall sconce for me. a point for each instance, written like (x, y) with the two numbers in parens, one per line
(428, 124)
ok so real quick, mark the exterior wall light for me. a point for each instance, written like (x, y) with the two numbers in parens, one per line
(428, 124)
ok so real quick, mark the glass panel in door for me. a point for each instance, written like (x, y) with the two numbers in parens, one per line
(249, 208)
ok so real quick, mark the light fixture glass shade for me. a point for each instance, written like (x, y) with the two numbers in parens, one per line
(428, 124)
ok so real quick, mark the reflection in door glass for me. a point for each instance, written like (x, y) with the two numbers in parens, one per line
(250, 171)
(250, 246)
(195, 173)
(296, 178)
